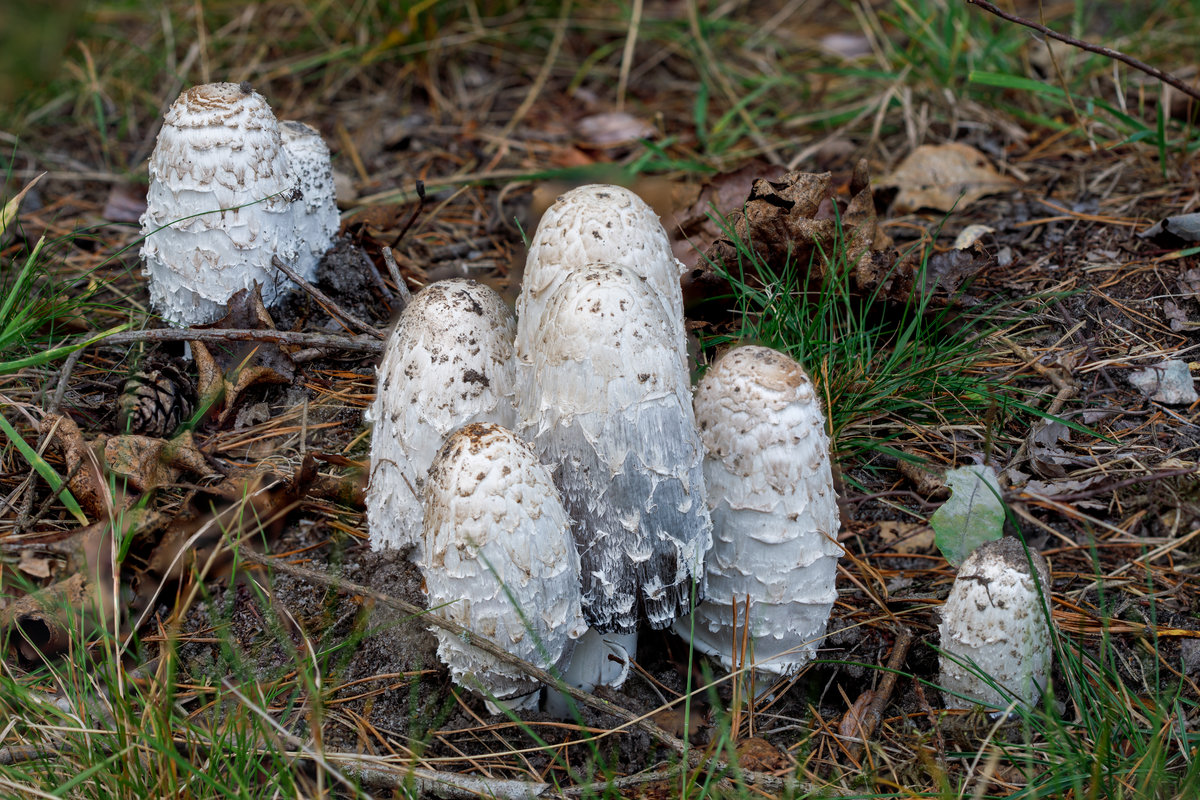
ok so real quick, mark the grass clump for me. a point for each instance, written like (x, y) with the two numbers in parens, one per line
(883, 367)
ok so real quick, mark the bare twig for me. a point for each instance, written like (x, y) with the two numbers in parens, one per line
(354, 344)
(1107, 52)
(389, 258)
(408, 225)
(325, 300)
(874, 713)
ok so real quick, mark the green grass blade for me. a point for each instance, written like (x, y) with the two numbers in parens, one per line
(45, 470)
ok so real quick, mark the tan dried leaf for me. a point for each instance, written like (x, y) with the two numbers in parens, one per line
(945, 176)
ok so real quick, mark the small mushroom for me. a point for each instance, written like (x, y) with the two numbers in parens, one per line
(219, 204)
(316, 211)
(609, 408)
(501, 562)
(995, 638)
(447, 363)
(774, 513)
(598, 223)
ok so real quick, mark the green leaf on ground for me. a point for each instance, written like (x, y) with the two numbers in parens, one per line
(974, 514)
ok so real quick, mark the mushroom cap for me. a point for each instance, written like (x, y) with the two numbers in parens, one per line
(996, 617)
(219, 204)
(501, 561)
(598, 223)
(608, 406)
(316, 213)
(447, 363)
(774, 511)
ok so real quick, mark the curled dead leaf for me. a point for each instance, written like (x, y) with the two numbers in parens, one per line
(147, 462)
(40, 625)
(225, 371)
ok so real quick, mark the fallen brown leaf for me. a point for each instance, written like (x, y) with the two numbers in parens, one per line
(147, 462)
(225, 371)
(39, 625)
(944, 177)
(760, 755)
(85, 477)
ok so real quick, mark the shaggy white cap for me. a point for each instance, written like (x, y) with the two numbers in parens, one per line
(501, 561)
(774, 511)
(609, 408)
(316, 212)
(218, 206)
(995, 617)
(598, 223)
(447, 363)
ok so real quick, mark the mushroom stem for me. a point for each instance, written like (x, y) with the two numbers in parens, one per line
(600, 659)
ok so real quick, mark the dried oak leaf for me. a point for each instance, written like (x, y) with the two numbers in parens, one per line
(227, 369)
(944, 177)
(147, 462)
(85, 477)
(796, 220)
(692, 228)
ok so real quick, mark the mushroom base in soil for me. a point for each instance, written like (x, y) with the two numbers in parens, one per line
(994, 624)
(500, 561)
(599, 659)
(774, 512)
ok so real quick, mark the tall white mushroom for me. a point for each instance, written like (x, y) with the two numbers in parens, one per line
(995, 638)
(219, 204)
(316, 213)
(500, 562)
(598, 223)
(774, 512)
(447, 363)
(609, 408)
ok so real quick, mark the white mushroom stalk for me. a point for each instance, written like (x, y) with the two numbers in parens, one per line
(447, 363)
(219, 205)
(598, 223)
(995, 637)
(501, 562)
(609, 408)
(316, 213)
(774, 513)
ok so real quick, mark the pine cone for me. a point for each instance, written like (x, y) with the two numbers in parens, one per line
(155, 402)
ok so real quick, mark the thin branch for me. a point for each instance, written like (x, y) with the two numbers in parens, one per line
(1107, 52)
(874, 713)
(325, 300)
(329, 341)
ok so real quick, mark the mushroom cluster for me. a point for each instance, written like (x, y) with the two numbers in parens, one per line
(774, 513)
(594, 377)
(225, 198)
